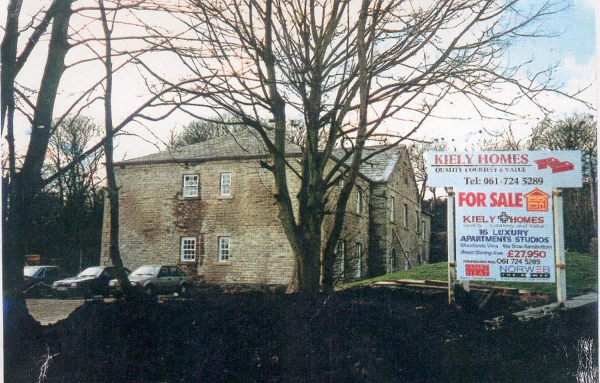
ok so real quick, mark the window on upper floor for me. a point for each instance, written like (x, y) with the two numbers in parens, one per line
(392, 209)
(359, 201)
(224, 254)
(225, 184)
(190, 185)
(188, 249)
(405, 216)
(417, 221)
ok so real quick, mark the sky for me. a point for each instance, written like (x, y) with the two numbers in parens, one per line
(573, 50)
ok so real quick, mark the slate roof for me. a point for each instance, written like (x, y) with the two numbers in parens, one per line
(248, 144)
(379, 167)
(239, 145)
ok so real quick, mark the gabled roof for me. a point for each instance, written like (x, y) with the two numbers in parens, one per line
(248, 144)
(238, 145)
(377, 167)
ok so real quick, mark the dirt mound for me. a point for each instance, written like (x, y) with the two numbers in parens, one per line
(358, 335)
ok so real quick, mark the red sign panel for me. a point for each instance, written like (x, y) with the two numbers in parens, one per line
(477, 270)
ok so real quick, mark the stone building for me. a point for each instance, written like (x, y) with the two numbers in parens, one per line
(209, 208)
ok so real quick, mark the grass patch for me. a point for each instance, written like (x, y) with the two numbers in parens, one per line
(582, 277)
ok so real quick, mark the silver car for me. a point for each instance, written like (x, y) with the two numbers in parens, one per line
(156, 279)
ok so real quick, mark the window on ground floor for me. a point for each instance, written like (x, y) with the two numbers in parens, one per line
(224, 251)
(341, 255)
(358, 254)
(188, 249)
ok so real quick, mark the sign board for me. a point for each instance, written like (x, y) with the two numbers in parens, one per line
(504, 170)
(503, 228)
(505, 235)
(32, 259)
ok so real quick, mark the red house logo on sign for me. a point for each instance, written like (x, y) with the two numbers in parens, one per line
(537, 200)
(554, 164)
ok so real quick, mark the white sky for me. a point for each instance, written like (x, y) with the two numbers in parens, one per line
(573, 50)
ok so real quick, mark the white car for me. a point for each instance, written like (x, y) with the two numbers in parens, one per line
(156, 279)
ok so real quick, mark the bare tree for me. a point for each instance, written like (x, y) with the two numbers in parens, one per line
(37, 105)
(21, 186)
(112, 190)
(502, 141)
(416, 152)
(77, 193)
(203, 130)
(349, 69)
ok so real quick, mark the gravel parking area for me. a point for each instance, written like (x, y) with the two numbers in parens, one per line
(49, 311)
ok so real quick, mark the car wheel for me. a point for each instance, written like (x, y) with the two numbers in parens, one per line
(149, 290)
(184, 290)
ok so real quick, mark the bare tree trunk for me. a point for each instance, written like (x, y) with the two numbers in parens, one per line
(329, 255)
(23, 186)
(112, 188)
(42, 119)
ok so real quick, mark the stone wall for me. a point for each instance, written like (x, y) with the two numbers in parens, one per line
(355, 232)
(154, 217)
(402, 241)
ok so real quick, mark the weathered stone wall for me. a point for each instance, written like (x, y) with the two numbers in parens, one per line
(154, 216)
(355, 231)
(398, 243)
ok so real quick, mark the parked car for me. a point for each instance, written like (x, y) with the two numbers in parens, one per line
(156, 279)
(38, 280)
(90, 282)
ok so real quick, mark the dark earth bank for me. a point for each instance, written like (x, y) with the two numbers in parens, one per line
(358, 335)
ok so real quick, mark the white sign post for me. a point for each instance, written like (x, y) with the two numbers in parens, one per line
(507, 220)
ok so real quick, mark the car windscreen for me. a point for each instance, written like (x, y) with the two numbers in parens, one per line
(91, 272)
(146, 270)
(30, 271)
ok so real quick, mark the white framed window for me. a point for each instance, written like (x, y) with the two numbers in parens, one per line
(358, 254)
(190, 185)
(224, 254)
(188, 249)
(341, 255)
(392, 209)
(405, 216)
(359, 201)
(225, 184)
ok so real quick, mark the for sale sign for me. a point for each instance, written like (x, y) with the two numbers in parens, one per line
(505, 235)
(504, 221)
